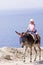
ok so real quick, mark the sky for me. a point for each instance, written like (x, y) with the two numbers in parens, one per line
(20, 4)
(15, 15)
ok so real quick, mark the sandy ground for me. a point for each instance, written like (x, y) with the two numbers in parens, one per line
(14, 56)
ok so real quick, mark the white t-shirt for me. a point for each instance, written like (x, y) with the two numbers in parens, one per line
(31, 27)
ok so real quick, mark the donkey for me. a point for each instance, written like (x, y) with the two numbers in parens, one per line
(28, 40)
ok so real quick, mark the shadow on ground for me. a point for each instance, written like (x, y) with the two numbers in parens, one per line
(38, 62)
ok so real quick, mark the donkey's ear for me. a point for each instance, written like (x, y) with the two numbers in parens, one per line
(16, 32)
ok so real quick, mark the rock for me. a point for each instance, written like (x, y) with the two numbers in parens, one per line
(7, 57)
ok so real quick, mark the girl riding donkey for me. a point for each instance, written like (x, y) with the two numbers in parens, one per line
(30, 38)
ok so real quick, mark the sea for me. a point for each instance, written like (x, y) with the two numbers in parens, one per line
(18, 20)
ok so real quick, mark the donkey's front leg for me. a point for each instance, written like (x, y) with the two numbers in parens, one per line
(25, 52)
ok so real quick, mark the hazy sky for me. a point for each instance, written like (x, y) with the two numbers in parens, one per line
(20, 4)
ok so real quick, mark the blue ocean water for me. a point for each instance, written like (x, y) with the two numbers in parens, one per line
(18, 20)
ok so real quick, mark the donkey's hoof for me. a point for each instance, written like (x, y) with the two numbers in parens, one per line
(39, 59)
(23, 60)
(34, 59)
(30, 61)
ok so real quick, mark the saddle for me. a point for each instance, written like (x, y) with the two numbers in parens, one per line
(32, 34)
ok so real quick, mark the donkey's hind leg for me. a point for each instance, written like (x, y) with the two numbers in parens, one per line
(35, 54)
(39, 51)
(31, 54)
